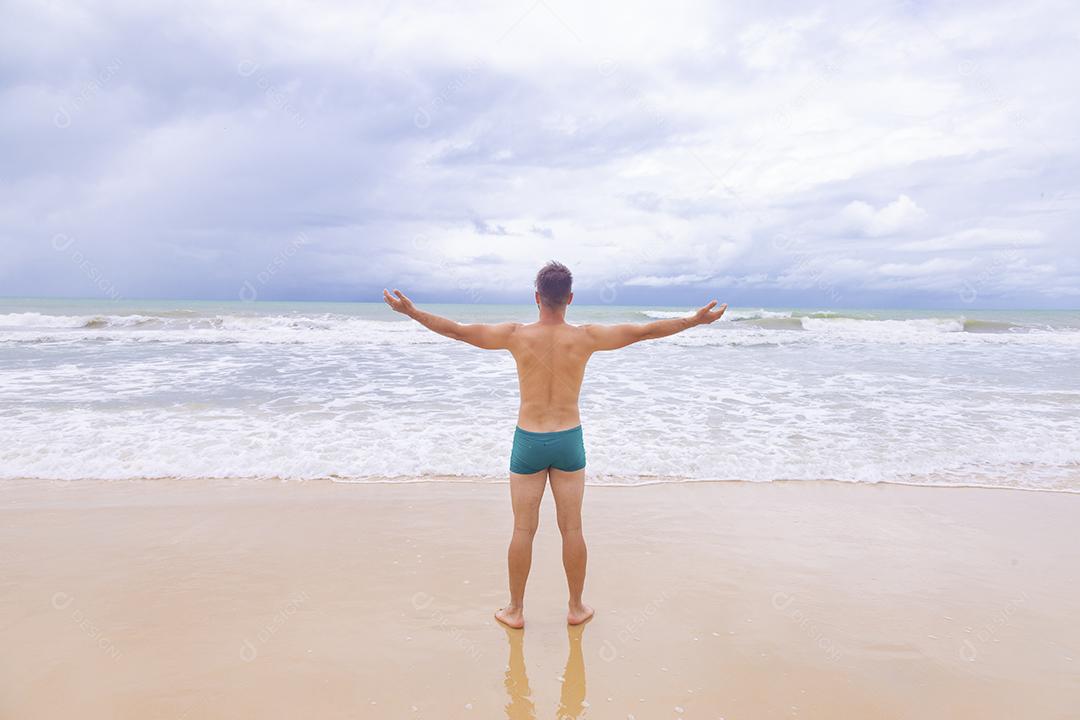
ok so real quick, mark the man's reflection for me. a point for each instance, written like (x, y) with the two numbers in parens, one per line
(572, 697)
(520, 706)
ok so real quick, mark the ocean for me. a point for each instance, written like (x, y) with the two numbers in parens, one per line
(353, 392)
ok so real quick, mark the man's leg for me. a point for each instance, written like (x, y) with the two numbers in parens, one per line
(569, 489)
(526, 491)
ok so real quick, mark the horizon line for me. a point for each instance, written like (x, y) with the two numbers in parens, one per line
(237, 301)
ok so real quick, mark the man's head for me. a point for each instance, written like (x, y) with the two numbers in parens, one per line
(553, 286)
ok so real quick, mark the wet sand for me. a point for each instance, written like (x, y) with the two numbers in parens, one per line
(736, 600)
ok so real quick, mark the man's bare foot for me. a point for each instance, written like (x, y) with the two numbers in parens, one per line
(511, 616)
(579, 614)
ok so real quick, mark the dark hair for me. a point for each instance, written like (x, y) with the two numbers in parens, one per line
(553, 282)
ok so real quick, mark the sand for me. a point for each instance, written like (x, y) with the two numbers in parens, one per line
(182, 599)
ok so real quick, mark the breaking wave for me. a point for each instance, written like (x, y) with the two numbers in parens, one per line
(738, 328)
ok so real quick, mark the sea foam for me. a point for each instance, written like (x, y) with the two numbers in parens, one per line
(231, 392)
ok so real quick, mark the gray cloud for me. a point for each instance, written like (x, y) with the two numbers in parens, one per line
(780, 153)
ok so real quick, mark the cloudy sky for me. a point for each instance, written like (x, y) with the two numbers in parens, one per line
(919, 154)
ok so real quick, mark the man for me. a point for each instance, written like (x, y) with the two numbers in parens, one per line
(551, 355)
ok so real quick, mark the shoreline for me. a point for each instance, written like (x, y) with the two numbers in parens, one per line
(499, 480)
(193, 599)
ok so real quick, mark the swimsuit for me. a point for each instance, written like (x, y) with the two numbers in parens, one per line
(563, 450)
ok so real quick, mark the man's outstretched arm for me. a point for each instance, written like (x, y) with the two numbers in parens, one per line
(613, 337)
(487, 337)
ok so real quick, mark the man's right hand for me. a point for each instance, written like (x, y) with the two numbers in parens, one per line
(707, 315)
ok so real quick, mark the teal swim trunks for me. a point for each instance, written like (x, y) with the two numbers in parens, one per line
(563, 450)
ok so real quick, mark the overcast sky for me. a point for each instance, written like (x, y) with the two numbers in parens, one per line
(917, 154)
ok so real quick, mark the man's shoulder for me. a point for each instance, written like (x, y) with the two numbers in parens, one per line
(585, 335)
(590, 328)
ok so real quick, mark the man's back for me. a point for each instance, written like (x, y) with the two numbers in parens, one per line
(551, 358)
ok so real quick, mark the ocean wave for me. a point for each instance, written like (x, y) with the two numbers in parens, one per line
(101, 322)
(866, 399)
(40, 320)
(745, 315)
(730, 315)
(883, 328)
(232, 447)
(905, 329)
(749, 328)
(826, 320)
(993, 326)
(775, 323)
(666, 314)
(188, 328)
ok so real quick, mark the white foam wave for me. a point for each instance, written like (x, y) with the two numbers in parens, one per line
(755, 315)
(884, 329)
(385, 398)
(39, 320)
(744, 328)
(666, 314)
(215, 442)
(884, 332)
(214, 329)
(730, 315)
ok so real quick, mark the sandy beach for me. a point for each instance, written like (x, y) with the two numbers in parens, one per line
(191, 599)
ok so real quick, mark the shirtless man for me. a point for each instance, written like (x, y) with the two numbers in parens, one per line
(551, 355)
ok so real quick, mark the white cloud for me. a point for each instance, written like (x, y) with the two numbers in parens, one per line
(664, 281)
(935, 266)
(900, 215)
(647, 148)
(977, 239)
(766, 46)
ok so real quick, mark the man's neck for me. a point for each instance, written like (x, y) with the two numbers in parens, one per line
(552, 316)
